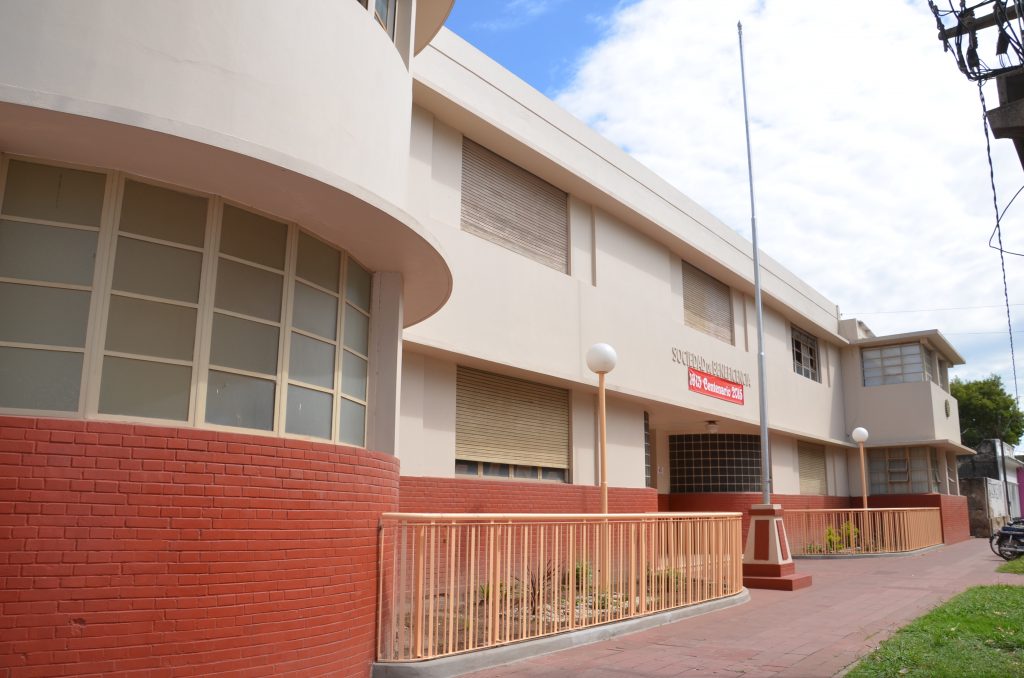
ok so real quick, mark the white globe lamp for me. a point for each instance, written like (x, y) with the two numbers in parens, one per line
(860, 436)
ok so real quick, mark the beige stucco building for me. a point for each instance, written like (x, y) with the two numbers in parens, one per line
(629, 260)
(269, 270)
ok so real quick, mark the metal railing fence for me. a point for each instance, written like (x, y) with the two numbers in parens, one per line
(862, 531)
(453, 583)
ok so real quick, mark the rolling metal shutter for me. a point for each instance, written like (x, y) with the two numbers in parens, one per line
(507, 205)
(707, 303)
(510, 421)
(811, 459)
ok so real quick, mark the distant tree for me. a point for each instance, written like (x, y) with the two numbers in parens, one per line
(987, 411)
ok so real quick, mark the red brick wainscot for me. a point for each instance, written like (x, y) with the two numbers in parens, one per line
(133, 550)
(472, 495)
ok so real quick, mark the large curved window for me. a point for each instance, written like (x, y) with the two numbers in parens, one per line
(125, 299)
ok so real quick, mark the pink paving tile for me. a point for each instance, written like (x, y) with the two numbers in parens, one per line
(852, 606)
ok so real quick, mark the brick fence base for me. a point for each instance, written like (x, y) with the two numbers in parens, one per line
(472, 495)
(953, 507)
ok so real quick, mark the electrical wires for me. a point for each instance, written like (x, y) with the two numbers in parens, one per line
(999, 234)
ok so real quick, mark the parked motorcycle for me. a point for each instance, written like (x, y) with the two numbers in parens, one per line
(1008, 543)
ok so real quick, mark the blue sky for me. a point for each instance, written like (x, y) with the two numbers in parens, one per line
(869, 159)
(538, 40)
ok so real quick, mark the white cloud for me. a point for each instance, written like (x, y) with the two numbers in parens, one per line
(516, 13)
(869, 160)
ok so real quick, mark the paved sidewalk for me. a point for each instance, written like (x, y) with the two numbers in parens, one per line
(852, 606)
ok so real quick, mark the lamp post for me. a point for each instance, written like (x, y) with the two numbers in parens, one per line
(860, 435)
(601, 359)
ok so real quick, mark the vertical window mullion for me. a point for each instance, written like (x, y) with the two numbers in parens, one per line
(207, 292)
(93, 338)
(99, 307)
(339, 350)
(285, 342)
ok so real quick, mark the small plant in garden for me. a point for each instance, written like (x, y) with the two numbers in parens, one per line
(836, 540)
(659, 579)
(484, 592)
(535, 582)
(584, 575)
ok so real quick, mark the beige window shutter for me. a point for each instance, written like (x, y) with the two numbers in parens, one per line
(811, 459)
(707, 303)
(507, 205)
(510, 421)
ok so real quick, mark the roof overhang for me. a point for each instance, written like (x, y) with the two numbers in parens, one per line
(430, 17)
(378, 234)
(942, 443)
(932, 338)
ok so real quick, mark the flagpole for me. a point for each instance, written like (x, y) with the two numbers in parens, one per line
(766, 468)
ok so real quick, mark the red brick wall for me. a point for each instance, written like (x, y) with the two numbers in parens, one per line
(742, 501)
(903, 500)
(141, 551)
(474, 495)
(955, 520)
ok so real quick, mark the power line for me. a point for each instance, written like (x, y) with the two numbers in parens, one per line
(999, 236)
(930, 310)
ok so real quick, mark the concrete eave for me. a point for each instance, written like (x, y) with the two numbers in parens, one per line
(430, 17)
(933, 338)
(380, 235)
(942, 443)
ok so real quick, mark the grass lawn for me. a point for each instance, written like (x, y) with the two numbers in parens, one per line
(978, 633)
(1012, 566)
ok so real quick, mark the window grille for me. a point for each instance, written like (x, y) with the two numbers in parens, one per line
(715, 463)
(805, 354)
(899, 364)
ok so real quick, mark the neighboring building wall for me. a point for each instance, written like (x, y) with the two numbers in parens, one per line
(984, 464)
(1020, 487)
(458, 495)
(133, 548)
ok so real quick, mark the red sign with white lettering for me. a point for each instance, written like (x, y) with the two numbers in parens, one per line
(716, 387)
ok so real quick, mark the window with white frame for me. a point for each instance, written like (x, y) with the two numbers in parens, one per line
(203, 312)
(805, 354)
(648, 453)
(903, 470)
(50, 219)
(384, 13)
(898, 364)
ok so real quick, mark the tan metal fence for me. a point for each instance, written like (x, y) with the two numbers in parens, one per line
(453, 583)
(857, 531)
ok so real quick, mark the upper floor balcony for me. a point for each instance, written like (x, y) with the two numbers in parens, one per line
(897, 387)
